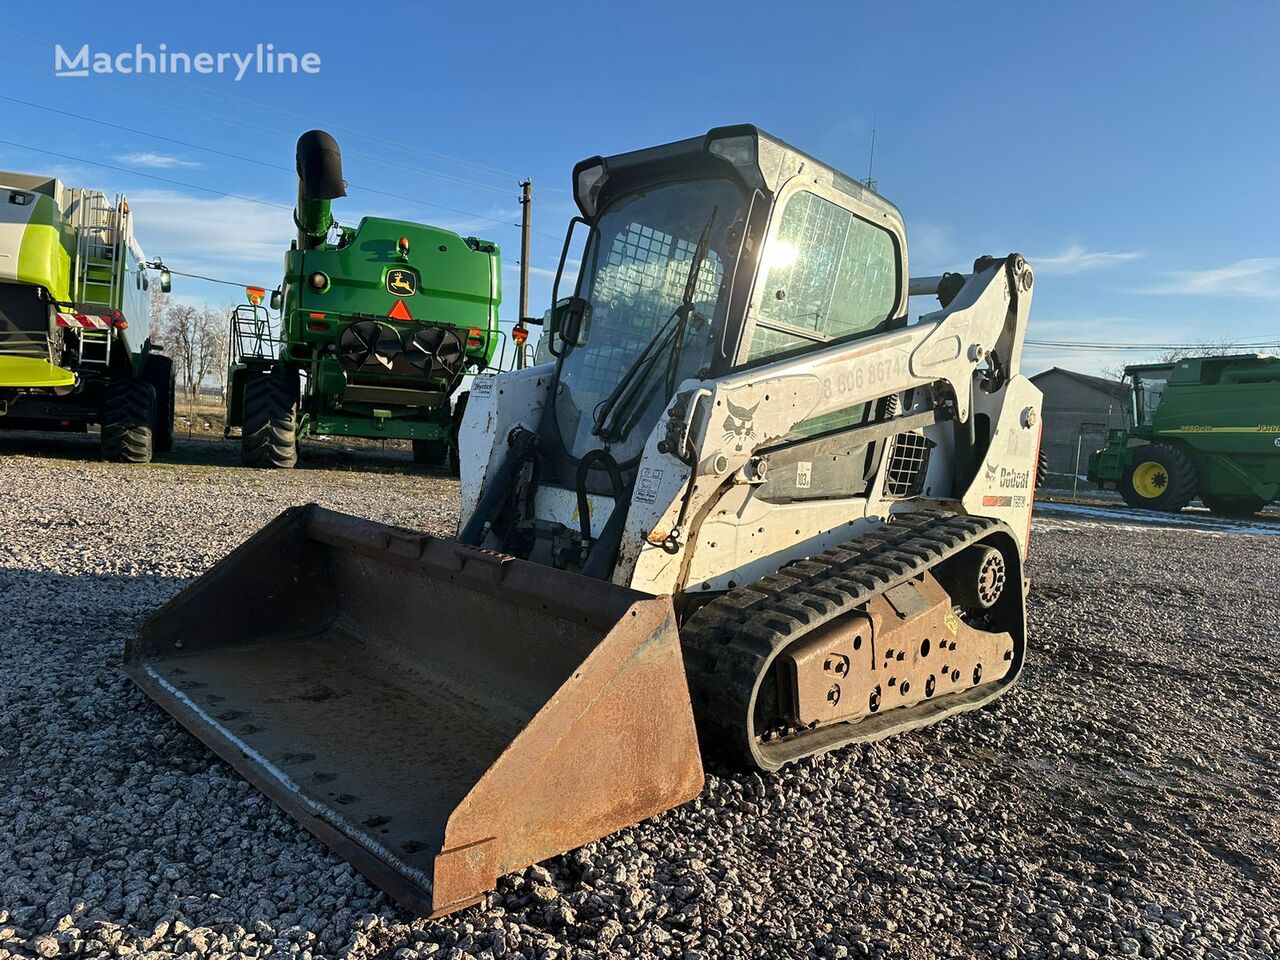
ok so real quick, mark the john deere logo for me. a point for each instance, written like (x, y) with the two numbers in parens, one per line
(402, 283)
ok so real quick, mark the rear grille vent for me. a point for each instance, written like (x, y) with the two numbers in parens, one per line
(908, 464)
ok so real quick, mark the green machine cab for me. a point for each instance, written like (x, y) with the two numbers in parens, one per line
(378, 327)
(1204, 426)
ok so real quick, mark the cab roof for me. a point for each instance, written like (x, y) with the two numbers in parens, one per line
(759, 159)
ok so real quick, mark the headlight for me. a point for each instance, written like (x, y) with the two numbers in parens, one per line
(318, 281)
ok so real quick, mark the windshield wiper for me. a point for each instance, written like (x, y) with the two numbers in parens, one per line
(670, 336)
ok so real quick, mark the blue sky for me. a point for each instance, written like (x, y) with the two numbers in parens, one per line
(1130, 151)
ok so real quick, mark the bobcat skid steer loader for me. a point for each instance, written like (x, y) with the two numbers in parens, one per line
(748, 509)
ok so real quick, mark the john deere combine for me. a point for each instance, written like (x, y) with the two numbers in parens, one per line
(74, 319)
(1206, 427)
(378, 326)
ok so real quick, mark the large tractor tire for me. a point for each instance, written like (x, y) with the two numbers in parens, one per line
(1160, 476)
(455, 425)
(429, 453)
(128, 412)
(158, 371)
(1243, 505)
(269, 438)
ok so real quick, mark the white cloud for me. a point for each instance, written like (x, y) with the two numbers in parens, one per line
(217, 236)
(1076, 259)
(160, 161)
(1252, 277)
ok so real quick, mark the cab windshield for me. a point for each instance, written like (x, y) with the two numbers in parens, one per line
(1148, 388)
(656, 275)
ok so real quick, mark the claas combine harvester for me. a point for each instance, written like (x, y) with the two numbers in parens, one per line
(747, 506)
(378, 326)
(75, 332)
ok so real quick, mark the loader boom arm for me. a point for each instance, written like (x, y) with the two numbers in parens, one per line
(981, 330)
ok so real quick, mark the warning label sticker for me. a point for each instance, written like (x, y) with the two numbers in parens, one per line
(647, 485)
(804, 474)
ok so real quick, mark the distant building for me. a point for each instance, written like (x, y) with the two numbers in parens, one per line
(1078, 409)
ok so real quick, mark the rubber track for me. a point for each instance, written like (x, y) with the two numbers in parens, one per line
(126, 421)
(730, 642)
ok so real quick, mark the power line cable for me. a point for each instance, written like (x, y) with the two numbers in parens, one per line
(171, 81)
(261, 163)
(197, 276)
(149, 176)
(1148, 347)
(211, 190)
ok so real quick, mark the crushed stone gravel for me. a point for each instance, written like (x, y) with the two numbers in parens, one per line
(1121, 801)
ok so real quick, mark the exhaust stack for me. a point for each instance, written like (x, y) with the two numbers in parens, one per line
(319, 166)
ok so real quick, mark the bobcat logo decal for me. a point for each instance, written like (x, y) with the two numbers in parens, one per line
(991, 472)
(739, 425)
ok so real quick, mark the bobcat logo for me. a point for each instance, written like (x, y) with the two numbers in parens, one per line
(739, 426)
(991, 472)
(402, 283)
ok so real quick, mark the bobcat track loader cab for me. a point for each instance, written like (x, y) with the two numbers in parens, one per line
(748, 505)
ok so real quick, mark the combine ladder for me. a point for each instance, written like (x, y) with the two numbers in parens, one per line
(252, 337)
(101, 235)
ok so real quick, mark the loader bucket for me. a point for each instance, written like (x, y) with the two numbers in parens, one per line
(437, 714)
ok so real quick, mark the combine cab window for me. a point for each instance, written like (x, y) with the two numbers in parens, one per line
(1148, 388)
(828, 274)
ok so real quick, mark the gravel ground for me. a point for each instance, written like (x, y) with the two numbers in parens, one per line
(1121, 801)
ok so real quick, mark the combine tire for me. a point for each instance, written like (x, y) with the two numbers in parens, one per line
(158, 371)
(1159, 477)
(128, 411)
(429, 453)
(459, 409)
(270, 434)
(1245, 505)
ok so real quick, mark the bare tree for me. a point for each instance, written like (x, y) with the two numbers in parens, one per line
(180, 334)
(1206, 348)
(160, 302)
(1114, 372)
(196, 339)
(211, 361)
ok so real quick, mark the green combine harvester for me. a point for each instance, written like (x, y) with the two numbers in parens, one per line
(1207, 427)
(377, 329)
(75, 345)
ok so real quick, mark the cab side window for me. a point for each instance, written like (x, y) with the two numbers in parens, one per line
(828, 274)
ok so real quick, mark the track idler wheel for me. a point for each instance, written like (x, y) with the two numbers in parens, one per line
(975, 577)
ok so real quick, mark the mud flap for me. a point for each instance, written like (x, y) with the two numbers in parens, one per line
(437, 714)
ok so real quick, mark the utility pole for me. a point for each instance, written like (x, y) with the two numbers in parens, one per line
(521, 332)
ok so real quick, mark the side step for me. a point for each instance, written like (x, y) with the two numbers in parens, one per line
(439, 715)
